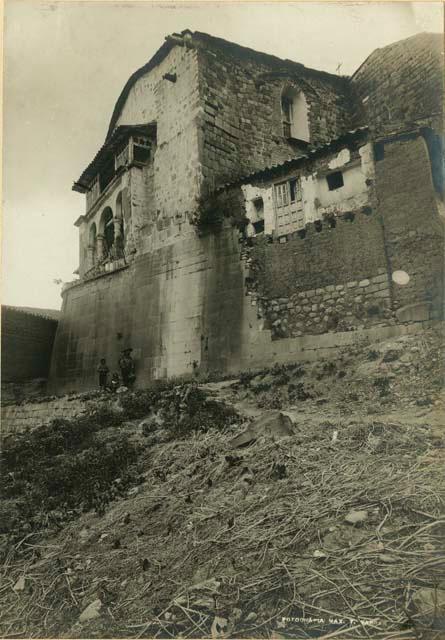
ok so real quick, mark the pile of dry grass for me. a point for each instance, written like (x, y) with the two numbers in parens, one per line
(250, 543)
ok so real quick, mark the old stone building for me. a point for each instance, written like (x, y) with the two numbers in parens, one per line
(245, 209)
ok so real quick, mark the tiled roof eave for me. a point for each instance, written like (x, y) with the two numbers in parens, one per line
(109, 147)
(343, 139)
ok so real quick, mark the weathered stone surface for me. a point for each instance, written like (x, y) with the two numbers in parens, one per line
(406, 75)
(415, 312)
(356, 517)
(91, 612)
(181, 300)
(274, 424)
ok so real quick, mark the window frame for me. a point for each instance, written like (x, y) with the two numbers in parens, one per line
(287, 116)
(297, 192)
(280, 192)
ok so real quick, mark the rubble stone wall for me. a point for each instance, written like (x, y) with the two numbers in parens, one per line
(353, 305)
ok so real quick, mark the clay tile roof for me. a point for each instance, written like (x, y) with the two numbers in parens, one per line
(346, 137)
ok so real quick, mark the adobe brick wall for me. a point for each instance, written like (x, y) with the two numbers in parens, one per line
(241, 129)
(414, 231)
(340, 278)
(403, 82)
(335, 279)
(27, 341)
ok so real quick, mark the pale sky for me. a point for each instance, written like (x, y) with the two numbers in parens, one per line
(65, 64)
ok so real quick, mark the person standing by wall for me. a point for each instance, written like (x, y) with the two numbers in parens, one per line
(126, 365)
(103, 371)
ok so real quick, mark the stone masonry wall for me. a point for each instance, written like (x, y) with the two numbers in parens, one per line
(174, 107)
(164, 194)
(27, 341)
(403, 82)
(343, 307)
(334, 279)
(180, 307)
(414, 230)
(337, 278)
(16, 418)
(241, 126)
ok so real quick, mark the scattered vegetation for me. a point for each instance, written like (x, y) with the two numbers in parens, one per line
(198, 539)
(57, 471)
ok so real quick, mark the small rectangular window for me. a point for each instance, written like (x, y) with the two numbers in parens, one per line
(259, 226)
(335, 180)
(141, 154)
(258, 205)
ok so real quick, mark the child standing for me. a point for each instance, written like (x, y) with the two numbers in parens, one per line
(103, 371)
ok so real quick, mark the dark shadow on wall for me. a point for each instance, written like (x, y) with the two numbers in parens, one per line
(27, 342)
(222, 314)
(435, 146)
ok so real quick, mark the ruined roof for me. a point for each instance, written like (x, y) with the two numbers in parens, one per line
(205, 40)
(345, 138)
(111, 145)
(48, 314)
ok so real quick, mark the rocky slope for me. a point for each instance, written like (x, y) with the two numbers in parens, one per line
(303, 501)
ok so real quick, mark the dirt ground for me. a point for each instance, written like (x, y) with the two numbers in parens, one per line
(303, 501)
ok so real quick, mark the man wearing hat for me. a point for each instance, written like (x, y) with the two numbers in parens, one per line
(126, 365)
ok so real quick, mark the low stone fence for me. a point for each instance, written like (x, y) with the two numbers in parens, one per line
(318, 347)
(29, 415)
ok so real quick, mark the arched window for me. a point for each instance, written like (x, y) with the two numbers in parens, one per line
(294, 111)
(107, 228)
